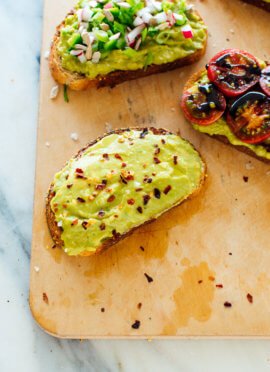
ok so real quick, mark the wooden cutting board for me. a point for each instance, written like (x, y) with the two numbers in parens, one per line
(219, 238)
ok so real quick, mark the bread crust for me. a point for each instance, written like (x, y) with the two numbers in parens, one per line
(259, 4)
(77, 81)
(195, 77)
(55, 230)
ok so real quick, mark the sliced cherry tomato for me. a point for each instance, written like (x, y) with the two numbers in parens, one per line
(249, 117)
(265, 80)
(233, 71)
(203, 105)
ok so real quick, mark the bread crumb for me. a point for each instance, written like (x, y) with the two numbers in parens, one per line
(47, 54)
(173, 109)
(54, 92)
(232, 31)
(74, 136)
(47, 144)
(268, 173)
(108, 127)
(249, 166)
(36, 268)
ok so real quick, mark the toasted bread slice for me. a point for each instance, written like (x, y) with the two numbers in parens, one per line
(195, 77)
(76, 81)
(56, 231)
(259, 3)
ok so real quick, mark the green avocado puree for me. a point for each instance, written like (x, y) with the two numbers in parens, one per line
(158, 48)
(220, 126)
(119, 183)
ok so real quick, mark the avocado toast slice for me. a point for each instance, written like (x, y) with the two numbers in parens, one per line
(117, 183)
(107, 42)
(230, 100)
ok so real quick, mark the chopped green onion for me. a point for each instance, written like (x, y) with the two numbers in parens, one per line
(66, 99)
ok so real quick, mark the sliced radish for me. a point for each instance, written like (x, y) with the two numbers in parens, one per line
(137, 21)
(161, 17)
(80, 47)
(75, 52)
(86, 14)
(170, 18)
(163, 26)
(187, 32)
(96, 57)
(115, 36)
(108, 15)
(138, 43)
(88, 53)
(82, 58)
(108, 6)
(131, 36)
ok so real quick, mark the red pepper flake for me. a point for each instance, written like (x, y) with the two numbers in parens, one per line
(147, 179)
(101, 213)
(250, 298)
(116, 216)
(219, 285)
(227, 304)
(100, 186)
(124, 165)
(45, 298)
(157, 151)
(146, 199)
(105, 156)
(80, 176)
(67, 176)
(175, 159)
(64, 205)
(69, 186)
(245, 178)
(136, 324)
(84, 225)
(138, 189)
(163, 141)
(111, 198)
(102, 309)
(131, 201)
(157, 193)
(149, 278)
(117, 156)
(167, 189)
(123, 179)
(102, 226)
(80, 200)
(142, 248)
(156, 160)
(75, 222)
(200, 281)
(144, 133)
(79, 170)
(211, 278)
(139, 306)
(116, 235)
(139, 209)
(154, 174)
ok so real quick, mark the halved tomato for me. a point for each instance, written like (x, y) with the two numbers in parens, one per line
(249, 117)
(204, 105)
(265, 80)
(233, 71)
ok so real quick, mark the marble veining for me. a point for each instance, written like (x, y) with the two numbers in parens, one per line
(24, 346)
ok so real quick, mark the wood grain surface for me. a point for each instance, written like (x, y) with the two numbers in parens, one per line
(221, 237)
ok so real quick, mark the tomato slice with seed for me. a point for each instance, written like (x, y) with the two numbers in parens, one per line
(265, 80)
(249, 117)
(203, 105)
(233, 71)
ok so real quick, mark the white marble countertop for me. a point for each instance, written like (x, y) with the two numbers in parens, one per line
(24, 346)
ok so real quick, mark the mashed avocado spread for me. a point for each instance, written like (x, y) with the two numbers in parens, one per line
(220, 127)
(101, 37)
(121, 182)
